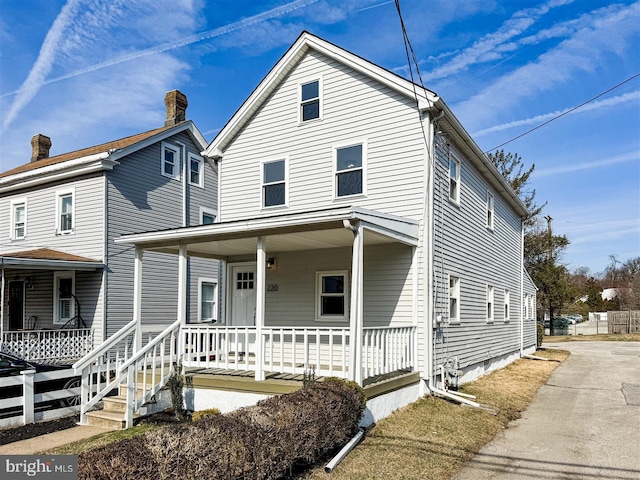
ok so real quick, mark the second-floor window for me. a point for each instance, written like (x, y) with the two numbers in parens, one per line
(170, 161)
(490, 211)
(349, 165)
(65, 212)
(196, 174)
(507, 301)
(18, 220)
(274, 185)
(310, 101)
(454, 180)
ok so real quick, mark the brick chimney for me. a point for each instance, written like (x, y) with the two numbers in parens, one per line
(40, 145)
(176, 103)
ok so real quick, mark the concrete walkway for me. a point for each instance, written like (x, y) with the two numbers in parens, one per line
(50, 441)
(583, 424)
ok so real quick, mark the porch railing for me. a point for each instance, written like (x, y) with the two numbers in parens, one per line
(387, 349)
(48, 345)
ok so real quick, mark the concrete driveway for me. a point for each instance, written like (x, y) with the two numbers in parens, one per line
(583, 424)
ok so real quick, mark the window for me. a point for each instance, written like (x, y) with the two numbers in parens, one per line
(63, 303)
(454, 299)
(196, 175)
(18, 220)
(207, 217)
(170, 161)
(507, 300)
(331, 295)
(274, 184)
(490, 210)
(489, 303)
(65, 212)
(208, 300)
(454, 180)
(310, 100)
(349, 164)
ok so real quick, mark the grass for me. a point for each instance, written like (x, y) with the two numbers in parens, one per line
(603, 337)
(433, 438)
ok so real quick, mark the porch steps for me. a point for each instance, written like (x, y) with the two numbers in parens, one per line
(113, 411)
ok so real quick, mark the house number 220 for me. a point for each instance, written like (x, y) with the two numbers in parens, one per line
(272, 288)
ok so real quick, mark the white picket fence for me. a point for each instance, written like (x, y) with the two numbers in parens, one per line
(31, 407)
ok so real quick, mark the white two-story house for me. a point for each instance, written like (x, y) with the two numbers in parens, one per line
(66, 286)
(362, 234)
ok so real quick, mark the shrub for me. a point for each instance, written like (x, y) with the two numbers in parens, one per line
(125, 459)
(539, 334)
(209, 412)
(259, 442)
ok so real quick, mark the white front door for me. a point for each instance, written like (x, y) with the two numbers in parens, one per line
(243, 295)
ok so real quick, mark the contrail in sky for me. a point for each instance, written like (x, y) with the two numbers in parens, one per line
(44, 63)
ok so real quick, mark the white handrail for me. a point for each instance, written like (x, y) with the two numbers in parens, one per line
(105, 346)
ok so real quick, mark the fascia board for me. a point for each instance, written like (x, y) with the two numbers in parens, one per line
(41, 264)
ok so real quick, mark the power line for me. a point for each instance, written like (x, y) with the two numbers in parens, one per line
(564, 113)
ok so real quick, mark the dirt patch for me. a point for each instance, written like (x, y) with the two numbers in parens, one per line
(24, 432)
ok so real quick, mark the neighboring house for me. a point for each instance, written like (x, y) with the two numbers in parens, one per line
(60, 266)
(363, 234)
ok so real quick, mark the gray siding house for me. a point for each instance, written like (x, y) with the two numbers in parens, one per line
(66, 285)
(362, 234)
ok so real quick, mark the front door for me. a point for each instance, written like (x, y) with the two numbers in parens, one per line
(16, 305)
(243, 295)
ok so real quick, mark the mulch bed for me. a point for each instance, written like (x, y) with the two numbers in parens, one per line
(24, 432)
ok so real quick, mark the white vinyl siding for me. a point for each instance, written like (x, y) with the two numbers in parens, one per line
(18, 219)
(170, 164)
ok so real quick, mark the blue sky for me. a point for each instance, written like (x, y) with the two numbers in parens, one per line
(88, 71)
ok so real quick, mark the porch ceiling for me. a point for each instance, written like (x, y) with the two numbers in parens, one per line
(302, 231)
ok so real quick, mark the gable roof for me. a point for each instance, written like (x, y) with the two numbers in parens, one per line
(90, 159)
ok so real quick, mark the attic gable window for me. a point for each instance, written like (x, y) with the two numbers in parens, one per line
(170, 161)
(349, 170)
(310, 100)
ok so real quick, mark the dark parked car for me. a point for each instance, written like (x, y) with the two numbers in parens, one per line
(11, 365)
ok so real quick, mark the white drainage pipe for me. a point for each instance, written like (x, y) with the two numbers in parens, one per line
(345, 450)
(535, 357)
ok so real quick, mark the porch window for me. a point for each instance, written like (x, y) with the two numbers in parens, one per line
(208, 300)
(331, 295)
(454, 299)
(170, 161)
(274, 184)
(454, 180)
(490, 215)
(63, 304)
(310, 100)
(489, 303)
(196, 176)
(18, 220)
(65, 208)
(507, 300)
(349, 173)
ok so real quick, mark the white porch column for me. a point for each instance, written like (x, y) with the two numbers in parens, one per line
(355, 318)
(137, 297)
(182, 284)
(261, 272)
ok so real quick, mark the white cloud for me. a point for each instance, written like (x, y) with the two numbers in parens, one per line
(577, 167)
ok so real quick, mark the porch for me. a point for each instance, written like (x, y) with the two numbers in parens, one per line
(48, 345)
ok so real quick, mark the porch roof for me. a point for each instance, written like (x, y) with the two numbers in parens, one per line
(298, 231)
(48, 259)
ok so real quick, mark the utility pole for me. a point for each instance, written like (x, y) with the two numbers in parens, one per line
(550, 260)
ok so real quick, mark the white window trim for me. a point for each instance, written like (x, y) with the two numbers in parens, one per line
(59, 195)
(286, 182)
(176, 166)
(332, 318)
(56, 295)
(12, 233)
(215, 299)
(456, 289)
(207, 211)
(320, 100)
(200, 160)
(490, 214)
(458, 163)
(507, 305)
(490, 312)
(365, 152)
